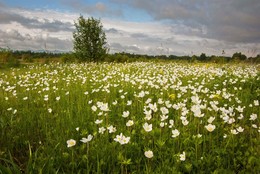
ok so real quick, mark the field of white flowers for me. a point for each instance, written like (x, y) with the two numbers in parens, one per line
(130, 118)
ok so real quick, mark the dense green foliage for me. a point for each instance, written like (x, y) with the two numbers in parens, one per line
(174, 118)
(89, 40)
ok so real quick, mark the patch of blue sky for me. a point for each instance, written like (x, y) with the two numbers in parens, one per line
(136, 15)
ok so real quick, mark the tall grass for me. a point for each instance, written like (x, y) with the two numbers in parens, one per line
(174, 118)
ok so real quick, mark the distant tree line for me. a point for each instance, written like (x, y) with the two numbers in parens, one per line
(15, 57)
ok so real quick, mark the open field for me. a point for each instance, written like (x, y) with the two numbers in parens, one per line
(130, 118)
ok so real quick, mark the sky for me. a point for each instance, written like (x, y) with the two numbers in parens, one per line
(153, 27)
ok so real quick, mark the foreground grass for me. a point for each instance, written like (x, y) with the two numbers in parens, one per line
(174, 118)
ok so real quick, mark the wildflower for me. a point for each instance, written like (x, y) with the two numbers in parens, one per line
(234, 131)
(50, 110)
(25, 98)
(149, 100)
(114, 102)
(164, 110)
(148, 154)
(141, 94)
(210, 127)
(199, 135)
(77, 128)
(195, 100)
(130, 123)
(85, 140)
(163, 117)
(231, 120)
(162, 124)
(183, 156)
(256, 102)
(153, 107)
(125, 140)
(253, 117)
(111, 129)
(118, 138)
(168, 104)
(160, 101)
(129, 102)
(101, 130)
(58, 98)
(240, 117)
(240, 129)
(98, 121)
(104, 107)
(94, 108)
(185, 122)
(240, 109)
(125, 114)
(211, 119)
(196, 109)
(148, 127)
(175, 133)
(122, 139)
(171, 122)
(46, 98)
(71, 143)
(148, 117)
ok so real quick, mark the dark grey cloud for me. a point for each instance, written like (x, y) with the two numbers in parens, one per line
(139, 35)
(16, 40)
(232, 20)
(118, 47)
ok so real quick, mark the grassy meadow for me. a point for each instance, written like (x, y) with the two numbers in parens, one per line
(161, 117)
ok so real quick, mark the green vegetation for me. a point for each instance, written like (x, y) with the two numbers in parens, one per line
(141, 117)
(28, 57)
(89, 40)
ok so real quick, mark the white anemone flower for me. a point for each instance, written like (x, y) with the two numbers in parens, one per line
(148, 154)
(125, 114)
(183, 156)
(148, 127)
(71, 143)
(130, 123)
(98, 121)
(175, 133)
(211, 119)
(210, 127)
(253, 117)
(88, 139)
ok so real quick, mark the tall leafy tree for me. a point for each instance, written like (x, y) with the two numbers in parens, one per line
(89, 40)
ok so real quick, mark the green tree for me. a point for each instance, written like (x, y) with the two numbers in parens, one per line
(89, 40)
(239, 56)
(202, 57)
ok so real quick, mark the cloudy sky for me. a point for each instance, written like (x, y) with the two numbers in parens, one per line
(179, 27)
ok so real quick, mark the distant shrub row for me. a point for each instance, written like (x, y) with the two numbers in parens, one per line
(10, 58)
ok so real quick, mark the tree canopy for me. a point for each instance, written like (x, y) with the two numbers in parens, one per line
(89, 40)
